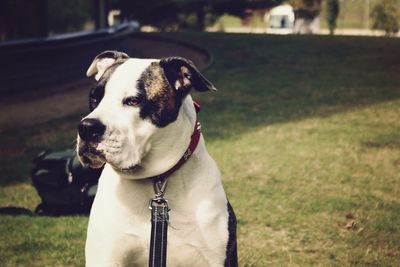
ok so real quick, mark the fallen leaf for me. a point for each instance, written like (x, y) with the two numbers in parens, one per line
(350, 225)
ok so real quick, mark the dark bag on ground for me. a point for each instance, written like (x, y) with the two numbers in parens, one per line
(63, 184)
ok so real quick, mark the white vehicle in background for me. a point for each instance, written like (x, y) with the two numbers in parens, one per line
(280, 20)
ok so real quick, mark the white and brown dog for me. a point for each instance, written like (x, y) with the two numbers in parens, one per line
(141, 122)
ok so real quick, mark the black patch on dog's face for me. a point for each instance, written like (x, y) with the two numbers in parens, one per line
(96, 94)
(163, 86)
(158, 100)
(183, 75)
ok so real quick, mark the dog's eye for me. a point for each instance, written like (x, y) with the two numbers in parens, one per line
(131, 101)
(93, 103)
(95, 96)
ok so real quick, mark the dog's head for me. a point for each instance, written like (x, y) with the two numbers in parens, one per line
(133, 100)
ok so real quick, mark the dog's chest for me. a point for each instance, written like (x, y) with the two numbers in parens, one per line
(119, 228)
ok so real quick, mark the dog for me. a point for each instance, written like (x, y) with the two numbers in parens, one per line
(140, 125)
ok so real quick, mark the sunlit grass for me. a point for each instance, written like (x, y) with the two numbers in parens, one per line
(296, 182)
(306, 133)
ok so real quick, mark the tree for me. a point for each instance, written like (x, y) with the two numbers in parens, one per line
(305, 11)
(240, 7)
(384, 15)
(23, 19)
(332, 11)
(37, 18)
(311, 7)
(68, 16)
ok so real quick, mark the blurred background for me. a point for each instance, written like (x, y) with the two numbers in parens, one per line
(305, 125)
(41, 18)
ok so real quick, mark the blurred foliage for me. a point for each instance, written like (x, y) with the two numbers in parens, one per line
(305, 4)
(68, 16)
(332, 13)
(306, 8)
(385, 16)
(22, 19)
(39, 18)
(172, 15)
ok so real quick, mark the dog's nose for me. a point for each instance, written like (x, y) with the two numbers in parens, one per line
(90, 129)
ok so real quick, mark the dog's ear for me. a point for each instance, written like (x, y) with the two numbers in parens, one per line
(183, 75)
(103, 61)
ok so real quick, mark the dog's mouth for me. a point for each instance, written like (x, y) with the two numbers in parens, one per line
(131, 169)
(89, 155)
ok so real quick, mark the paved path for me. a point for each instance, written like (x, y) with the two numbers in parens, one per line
(22, 111)
(344, 32)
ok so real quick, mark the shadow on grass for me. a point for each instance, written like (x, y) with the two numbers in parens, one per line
(262, 80)
(384, 141)
(15, 211)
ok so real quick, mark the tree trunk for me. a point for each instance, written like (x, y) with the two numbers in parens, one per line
(200, 14)
(100, 14)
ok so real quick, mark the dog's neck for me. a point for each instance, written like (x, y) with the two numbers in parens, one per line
(168, 144)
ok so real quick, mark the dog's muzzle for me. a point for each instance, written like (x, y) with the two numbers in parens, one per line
(90, 132)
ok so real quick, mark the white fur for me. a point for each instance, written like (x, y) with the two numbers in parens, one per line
(119, 225)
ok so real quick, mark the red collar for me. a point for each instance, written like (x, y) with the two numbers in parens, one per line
(194, 141)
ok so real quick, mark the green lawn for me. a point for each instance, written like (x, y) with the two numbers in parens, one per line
(306, 131)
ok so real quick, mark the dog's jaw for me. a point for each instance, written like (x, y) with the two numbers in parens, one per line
(89, 155)
(123, 149)
(109, 150)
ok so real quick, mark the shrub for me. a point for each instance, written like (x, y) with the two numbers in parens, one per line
(384, 15)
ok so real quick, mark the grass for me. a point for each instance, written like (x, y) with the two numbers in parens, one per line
(305, 130)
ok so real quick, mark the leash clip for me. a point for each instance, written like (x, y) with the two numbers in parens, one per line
(159, 191)
(158, 202)
(159, 185)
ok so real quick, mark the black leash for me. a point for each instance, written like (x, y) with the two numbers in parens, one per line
(159, 225)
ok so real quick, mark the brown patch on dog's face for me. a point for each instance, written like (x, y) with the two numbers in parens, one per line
(159, 101)
(163, 86)
(154, 80)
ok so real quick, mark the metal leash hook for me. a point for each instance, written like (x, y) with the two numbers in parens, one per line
(159, 187)
(159, 191)
(159, 225)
